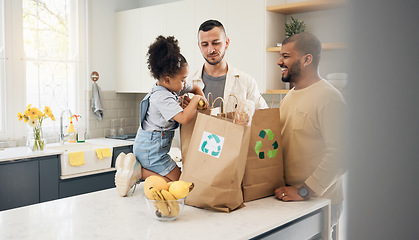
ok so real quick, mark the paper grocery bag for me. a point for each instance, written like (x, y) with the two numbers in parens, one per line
(187, 129)
(186, 134)
(264, 166)
(216, 163)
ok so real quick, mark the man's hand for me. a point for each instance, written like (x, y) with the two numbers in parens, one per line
(287, 194)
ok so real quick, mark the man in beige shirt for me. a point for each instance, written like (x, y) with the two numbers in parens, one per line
(311, 117)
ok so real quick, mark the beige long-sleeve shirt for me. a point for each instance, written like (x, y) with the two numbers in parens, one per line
(311, 127)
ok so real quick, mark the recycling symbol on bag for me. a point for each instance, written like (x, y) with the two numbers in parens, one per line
(215, 144)
(258, 146)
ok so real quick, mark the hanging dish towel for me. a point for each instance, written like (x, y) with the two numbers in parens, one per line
(103, 153)
(97, 102)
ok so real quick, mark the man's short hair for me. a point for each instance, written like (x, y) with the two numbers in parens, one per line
(306, 43)
(210, 24)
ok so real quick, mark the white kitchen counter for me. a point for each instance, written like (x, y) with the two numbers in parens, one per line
(106, 215)
(19, 153)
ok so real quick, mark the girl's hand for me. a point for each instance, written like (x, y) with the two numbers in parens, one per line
(184, 101)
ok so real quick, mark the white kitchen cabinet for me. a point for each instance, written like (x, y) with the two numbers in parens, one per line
(152, 24)
(138, 28)
(181, 24)
(135, 30)
(127, 51)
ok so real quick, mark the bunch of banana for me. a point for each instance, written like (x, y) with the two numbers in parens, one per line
(165, 204)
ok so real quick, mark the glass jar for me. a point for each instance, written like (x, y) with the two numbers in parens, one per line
(35, 140)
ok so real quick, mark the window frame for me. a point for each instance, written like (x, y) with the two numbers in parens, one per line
(14, 82)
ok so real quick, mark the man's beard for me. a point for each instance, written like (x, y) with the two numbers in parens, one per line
(216, 62)
(293, 72)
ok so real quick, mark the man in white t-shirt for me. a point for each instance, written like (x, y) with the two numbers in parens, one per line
(218, 77)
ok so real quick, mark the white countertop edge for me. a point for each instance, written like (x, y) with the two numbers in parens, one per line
(106, 215)
(20, 153)
(64, 177)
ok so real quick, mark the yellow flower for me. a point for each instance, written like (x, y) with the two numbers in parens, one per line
(27, 112)
(47, 111)
(34, 111)
(34, 116)
(20, 116)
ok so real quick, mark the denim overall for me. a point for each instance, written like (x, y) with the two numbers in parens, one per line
(151, 148)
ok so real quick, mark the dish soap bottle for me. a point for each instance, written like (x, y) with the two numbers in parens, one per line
(71, 132)
(81, 130)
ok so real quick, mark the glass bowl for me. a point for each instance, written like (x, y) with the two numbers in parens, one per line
(165, 210)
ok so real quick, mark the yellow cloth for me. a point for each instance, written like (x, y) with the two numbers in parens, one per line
(76, 159)
(103, 152)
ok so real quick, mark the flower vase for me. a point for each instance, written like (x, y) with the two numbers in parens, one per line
(36, 141)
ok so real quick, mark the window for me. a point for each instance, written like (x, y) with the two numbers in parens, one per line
(2, 72)
(51, 55)
(44, 62)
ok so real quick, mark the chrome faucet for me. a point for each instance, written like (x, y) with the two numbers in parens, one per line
(62, 134)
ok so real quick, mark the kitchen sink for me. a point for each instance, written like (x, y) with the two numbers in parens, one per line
(81, 157)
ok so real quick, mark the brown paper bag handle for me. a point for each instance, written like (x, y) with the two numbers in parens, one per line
(257, 104)
(222, 101)
(209, 98)
(231, 95)
(273, 98)
(234, 112)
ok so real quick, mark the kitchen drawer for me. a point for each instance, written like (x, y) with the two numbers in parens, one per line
(19, 183)
(309, 226)
(86, 184)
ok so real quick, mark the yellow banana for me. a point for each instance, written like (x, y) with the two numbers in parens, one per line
(171, 202)
(160, 203)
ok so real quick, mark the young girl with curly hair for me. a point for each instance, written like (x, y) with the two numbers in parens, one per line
(160, 115)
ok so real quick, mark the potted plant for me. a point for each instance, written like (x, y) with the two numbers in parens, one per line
(294, 27)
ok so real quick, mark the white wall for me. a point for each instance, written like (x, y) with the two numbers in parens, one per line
(101, 39)
(146, 3)
(102, 45)
(328, 26)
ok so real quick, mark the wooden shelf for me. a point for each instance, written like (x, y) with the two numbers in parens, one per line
(277, 91)
(325, 46)
(306, 6)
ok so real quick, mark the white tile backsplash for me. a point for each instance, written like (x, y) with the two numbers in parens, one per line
(116, 106)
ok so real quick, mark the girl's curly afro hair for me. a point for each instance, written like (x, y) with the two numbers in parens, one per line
(164, 57)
